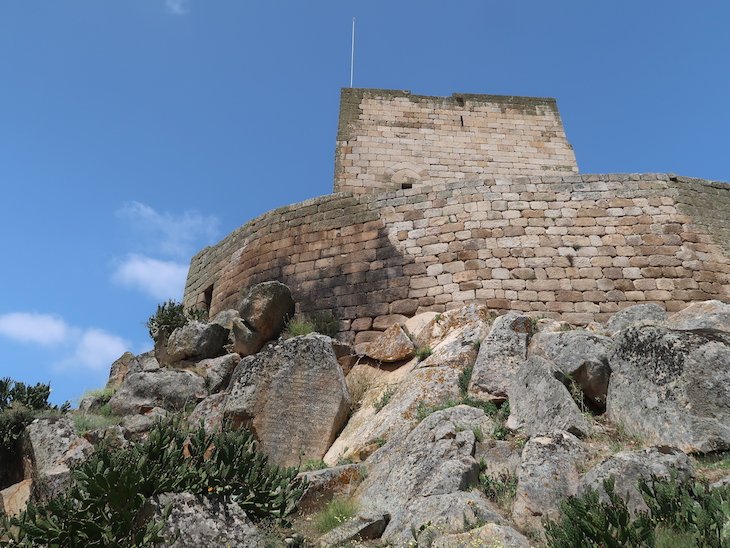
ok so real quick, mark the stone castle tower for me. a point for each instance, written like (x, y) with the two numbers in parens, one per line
(442, 201)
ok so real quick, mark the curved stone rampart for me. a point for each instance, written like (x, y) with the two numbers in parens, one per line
(579, 247)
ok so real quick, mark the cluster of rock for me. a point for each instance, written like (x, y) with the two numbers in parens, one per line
(390, 417)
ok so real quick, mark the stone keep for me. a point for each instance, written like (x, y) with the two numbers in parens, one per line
(443, 201)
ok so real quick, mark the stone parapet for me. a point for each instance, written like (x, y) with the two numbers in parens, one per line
(577, 247)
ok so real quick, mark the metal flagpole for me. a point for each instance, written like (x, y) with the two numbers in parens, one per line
(352, 54)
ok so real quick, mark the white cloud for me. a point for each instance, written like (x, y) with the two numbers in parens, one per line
(96, 349)
(159, 279)
(31, 327)
(89, 348)
(178, 7)
(171, 235)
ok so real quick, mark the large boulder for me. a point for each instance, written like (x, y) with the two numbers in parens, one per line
(634, 315)
(293, 396)
(171, 389)
(393, 345)
(549, 473)
(500, 356)
(489, 535)
(325, 484)
(53, 448)
(392, 405)
(127, 363)
(628, 467)
(266, 308)
(419, 478)
(196, 340)
(672, 387)
(246, 341)
(580, 354)
(704, 315)
(14, 499)
(217, 371)
(209, 413)
(540, 402)
(198, 521)
(363, 526)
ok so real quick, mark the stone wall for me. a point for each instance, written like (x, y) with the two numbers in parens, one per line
(387, 139)
(578, 247)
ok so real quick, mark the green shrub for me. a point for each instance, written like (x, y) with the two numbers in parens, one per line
(499, 414)
(423, 352)
(19, 405)
(318, 322)
(336, 512)
(104, 506)
(313, 464)
(384, 398)
(501, 488)
(88, 422)
(169, 316)
(690, 511)
(325, 323)
(465, 379)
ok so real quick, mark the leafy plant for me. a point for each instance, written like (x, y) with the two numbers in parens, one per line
(318, 322)
(337, 511)
(169, 316)
(500, 488)
(465, 379)
(384, 398)
(423, 352)
(105, 505)
(676, 510)
(313, 464)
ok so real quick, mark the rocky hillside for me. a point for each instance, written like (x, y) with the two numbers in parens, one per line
(455, 429)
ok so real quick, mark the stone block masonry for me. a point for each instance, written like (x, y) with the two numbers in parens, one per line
(391, 139)
(576, 247)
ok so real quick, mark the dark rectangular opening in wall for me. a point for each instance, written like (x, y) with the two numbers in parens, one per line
(405, 186)
(207, 297)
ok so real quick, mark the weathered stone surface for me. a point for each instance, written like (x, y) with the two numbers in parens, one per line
(392, 346)
(417, 384)
(324, 484)
(500, 356)
(704, 315)
(170, 389)
(127, 363)
(148, 361)
(408, 476)
(266, 308)
(53, 448)
(540, 403)
(580, 354)
(628, 467)
(196, 340)
(419, 327)
(225, 318)
(294, 398)
(489, 535)
(14, 499)
(364, 526)
(198, 521)
(381, 323)
(209, 412)
(245, 341)
(217, 371)
(137, 426)
(548, 474)
(437, 515)
(672, 387)
(637, 314)
(498, 457)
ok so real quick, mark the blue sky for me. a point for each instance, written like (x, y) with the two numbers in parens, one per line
(135, 132)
